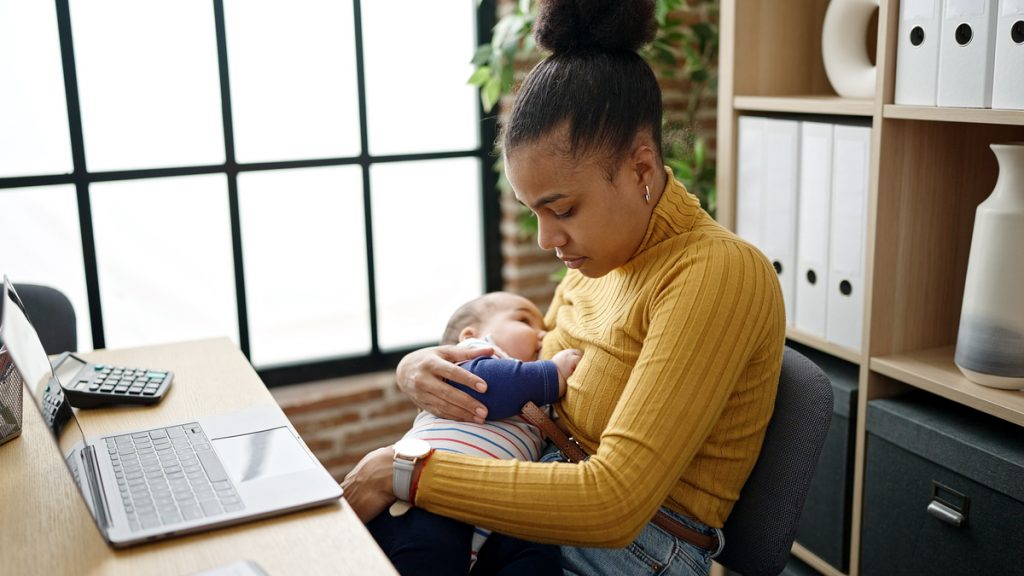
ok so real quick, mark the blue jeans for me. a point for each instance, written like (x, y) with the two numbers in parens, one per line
(654, 551)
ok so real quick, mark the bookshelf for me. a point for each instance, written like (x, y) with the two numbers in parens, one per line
(930, 168)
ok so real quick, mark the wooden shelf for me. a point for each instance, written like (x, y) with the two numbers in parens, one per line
(805, 105)
(968, 115)
(812, 560)
(933, 370)
(823, 345)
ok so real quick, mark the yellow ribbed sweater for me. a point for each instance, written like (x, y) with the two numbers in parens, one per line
(682, 348)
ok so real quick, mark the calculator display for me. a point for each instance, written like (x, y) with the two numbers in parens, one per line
(68, 369)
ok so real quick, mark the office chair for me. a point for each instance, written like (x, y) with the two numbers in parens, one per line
(762, 526)
(51, 314)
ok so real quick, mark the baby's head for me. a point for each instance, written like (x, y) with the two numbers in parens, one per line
(514, 324)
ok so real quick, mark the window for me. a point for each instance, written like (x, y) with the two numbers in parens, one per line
(297, 177)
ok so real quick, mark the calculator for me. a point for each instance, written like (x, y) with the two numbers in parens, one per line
(88, 385)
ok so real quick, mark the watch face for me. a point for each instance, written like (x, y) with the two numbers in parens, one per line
(412, 448)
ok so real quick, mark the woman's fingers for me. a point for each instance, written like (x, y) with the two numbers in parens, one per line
(454, 404)
(446, 366)
(423, 376)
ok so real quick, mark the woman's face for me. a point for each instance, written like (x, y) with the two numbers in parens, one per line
(594, 225)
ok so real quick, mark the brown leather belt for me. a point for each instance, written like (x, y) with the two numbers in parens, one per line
(574, 452)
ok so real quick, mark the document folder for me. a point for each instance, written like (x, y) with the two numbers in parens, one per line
(813, 229)
(1008, 73)
(917, 52)
(966, 55)
(845, 301)
(767, 192)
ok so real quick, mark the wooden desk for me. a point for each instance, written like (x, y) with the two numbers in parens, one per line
(45, 527)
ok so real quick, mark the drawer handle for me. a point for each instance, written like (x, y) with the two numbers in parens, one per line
(945, 513)
(948, 505)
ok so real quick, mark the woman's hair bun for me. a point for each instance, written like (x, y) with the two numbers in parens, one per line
(567, 25)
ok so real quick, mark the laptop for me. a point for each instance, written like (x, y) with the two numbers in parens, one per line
(144, 485)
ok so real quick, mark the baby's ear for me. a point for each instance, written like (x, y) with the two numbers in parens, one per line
(467, 332)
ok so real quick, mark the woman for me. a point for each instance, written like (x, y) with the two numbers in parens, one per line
(681, 324)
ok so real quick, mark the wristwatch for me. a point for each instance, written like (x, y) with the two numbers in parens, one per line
(408, 451)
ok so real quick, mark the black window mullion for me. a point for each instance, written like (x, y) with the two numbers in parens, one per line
(364, 161)
(80, 174)
(231, 167)
(491, 203)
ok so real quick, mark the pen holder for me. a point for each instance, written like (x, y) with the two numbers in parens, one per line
(10, 398)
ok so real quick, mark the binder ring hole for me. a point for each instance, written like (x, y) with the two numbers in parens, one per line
(964, 34)
(812, 277)
(916, 35)
(1017, 32)
(778, 266)
(845, 288)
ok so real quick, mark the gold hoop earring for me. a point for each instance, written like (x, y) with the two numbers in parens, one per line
(647, 193)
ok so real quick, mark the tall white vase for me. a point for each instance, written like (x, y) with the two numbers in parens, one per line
(990, 344)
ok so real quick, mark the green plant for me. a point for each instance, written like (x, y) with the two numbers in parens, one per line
(685, 48)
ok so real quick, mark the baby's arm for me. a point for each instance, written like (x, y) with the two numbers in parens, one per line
(512, 383)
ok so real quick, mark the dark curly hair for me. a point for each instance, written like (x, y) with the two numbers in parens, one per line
(594, 82)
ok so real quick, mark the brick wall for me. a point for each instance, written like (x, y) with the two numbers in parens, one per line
(343, 419)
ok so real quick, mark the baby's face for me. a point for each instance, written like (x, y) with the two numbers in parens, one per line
(515, 325)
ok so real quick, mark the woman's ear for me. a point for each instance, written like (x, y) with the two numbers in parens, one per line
(468, 332)
(644, 158)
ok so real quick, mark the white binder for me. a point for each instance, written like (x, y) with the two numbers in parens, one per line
(813, 227)
(966, 55)
(748, 181)
(1008, 73)
(845, 302)
(917, 52)
(780, 181)
(767, 186)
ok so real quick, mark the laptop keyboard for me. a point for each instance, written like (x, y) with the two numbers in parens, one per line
(170, 475)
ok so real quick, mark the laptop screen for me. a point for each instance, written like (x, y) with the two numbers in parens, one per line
(22, 342)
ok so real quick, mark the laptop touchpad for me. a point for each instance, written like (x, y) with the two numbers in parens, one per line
(263, 454)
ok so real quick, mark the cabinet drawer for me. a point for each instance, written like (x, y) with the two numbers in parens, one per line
(943, 492)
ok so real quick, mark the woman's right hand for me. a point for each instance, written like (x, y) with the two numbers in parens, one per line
(422, 377)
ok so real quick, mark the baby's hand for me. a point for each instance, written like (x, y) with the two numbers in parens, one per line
(566, 361)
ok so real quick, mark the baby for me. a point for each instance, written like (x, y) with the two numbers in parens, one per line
(416, 540)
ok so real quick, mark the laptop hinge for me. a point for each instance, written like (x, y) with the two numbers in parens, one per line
(99, 501)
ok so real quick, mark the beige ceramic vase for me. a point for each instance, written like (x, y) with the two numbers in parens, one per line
(990, 344)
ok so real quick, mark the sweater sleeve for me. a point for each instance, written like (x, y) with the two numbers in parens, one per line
(719, 306)
(511, 383)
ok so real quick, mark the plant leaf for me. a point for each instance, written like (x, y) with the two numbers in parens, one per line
(491, 93)
(480, 76)
(482, 54)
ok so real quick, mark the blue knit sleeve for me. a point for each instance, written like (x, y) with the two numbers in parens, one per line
(511, 383)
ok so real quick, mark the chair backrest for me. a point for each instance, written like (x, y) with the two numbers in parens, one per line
(762, 526)
(51, 314)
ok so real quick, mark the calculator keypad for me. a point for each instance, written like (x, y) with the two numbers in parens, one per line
(122, 380)
(99, 384)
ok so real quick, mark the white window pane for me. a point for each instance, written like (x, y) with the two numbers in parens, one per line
(427, 246)
(149, 83)
(34, 136)
(41, 243)
(304, 246)
(417, 58)
(166, 270)
(293, 79)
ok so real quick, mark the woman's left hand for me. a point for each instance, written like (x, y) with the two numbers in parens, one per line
(368, 486)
